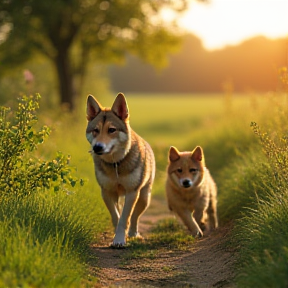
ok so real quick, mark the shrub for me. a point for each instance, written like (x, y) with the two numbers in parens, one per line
(20, 172)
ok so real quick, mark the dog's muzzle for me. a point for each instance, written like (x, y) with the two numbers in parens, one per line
(98, 148)
(186, 183)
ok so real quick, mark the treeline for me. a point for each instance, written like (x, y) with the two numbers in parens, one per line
(250, 66)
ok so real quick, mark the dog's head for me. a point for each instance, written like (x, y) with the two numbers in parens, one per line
(108, 129)
(186, 169)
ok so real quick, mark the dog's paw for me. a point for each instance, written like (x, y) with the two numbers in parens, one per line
(119, 242)
(135, 235)
(198, 235)
(118, 245)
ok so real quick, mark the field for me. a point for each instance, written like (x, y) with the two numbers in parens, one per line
(46, 235)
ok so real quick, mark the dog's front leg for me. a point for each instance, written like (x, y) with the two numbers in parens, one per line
(111, 202)
(212, 214)
(120, 235)
(190, 223)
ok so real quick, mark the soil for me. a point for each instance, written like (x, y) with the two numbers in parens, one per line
(207, 263)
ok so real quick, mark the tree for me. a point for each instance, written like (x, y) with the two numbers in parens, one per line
(72, 33)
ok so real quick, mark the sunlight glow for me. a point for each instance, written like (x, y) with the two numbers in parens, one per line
(228, 22)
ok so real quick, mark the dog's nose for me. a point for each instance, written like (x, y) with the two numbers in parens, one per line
(186, 183)
(98, 148)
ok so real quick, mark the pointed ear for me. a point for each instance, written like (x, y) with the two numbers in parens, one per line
(93, 108)
(120, 107)
(173, 154)
(197, 154)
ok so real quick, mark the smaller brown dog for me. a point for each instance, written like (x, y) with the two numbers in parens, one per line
(190, 190)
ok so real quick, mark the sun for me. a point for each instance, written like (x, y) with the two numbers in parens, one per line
(223, 22)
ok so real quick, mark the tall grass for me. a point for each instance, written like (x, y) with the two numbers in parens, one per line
(263, 236)
(267, 224)
(256, 199)
(57, 228)
(26, 262)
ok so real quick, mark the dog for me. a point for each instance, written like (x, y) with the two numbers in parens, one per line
(191, 191)
(124, 165)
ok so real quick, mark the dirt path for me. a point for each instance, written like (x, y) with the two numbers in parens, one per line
(207, 263)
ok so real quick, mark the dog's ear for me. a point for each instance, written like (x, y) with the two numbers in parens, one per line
(120, 107)
(173, 154)
(93, 108)
(197, 154)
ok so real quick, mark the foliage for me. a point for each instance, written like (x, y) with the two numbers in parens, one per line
(20, 172)
(73, 33)
(275, 147)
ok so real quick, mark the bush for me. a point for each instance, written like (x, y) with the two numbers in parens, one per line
(20, 172)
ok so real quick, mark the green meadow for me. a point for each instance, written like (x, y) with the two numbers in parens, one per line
(51, 208)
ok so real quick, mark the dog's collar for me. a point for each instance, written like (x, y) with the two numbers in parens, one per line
(108, 163)
(114, 164)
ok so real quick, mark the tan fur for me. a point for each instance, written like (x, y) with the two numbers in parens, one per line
(190, 190)
(124, 164)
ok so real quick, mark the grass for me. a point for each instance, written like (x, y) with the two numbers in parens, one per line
(174, 119)
(45, 238)
(264, 233)
(54, 229)
(255, 198)
(25, 261)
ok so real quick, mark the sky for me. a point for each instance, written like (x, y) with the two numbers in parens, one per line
(220, 23)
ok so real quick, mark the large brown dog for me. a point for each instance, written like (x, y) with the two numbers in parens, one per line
(124, 164)
(191, 191)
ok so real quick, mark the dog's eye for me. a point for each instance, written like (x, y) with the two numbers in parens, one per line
(193, 170)
(179, 170)
(111, 130)
(96, 131)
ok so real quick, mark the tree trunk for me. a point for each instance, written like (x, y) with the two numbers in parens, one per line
(65, 78)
